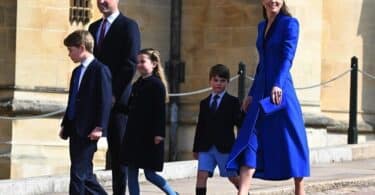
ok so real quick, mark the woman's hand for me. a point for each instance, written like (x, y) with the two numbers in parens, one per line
(246, 102)
(158, 139)
(276, 95)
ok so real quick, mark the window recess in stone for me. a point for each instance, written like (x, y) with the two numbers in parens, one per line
(80, 11)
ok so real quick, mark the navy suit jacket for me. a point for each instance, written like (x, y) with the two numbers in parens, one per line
(93, 101)
(119, 52)
(217, 128)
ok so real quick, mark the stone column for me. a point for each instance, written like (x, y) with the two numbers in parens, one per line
(306, 69)
(8, 12)
(348, 31)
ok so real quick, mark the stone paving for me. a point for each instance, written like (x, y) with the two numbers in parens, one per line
(357, 190)
(349, 178)
(320, 174)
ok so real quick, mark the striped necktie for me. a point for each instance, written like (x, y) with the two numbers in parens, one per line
(214, 103)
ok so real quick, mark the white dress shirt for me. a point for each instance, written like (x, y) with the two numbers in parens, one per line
(109, 21)
(85, 64)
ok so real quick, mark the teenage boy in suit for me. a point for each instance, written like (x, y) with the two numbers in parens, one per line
(87, 114)
(214, 135)
(117, 43)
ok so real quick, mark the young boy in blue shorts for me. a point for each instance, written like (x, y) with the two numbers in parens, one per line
(218, 115)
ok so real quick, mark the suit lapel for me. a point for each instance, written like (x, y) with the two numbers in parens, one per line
(262, 31)
(222, 102)
(272, 28)
(95, 28)
(207, 104)
(111, 30)
(261, 43)
(86, 76)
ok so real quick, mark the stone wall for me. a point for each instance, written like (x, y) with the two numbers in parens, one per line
(348, 31)
(33, 57)
(41, 61)
(215, 32)
(306, 69)
(8, 12)
(366, 30)
(42, 26)
(153, 17)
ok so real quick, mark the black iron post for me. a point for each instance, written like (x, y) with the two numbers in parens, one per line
(241, 81)
(175, 75)
(353, 131)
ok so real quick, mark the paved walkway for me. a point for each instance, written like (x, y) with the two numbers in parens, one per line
(357, 177)
(349, 178)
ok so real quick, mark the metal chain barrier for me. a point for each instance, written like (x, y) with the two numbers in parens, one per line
(35, 116)
(63, 110)
(325, 82)
(315, 85)
(370, 76)
(200, 91)
(250, 78)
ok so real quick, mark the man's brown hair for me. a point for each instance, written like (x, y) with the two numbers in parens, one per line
(78, 38)
(220, 70)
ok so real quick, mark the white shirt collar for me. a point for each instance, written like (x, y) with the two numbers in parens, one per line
(87, 61)
(219, 94)
(113, 16)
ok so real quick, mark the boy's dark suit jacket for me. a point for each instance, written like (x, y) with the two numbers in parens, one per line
(93, 101)
(217, 128)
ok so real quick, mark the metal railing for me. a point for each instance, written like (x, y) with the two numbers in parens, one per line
(242, 77)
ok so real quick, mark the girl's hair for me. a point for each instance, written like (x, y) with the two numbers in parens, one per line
(284, 10)
(159, 69)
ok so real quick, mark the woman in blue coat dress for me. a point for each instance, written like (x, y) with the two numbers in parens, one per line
(273, 146)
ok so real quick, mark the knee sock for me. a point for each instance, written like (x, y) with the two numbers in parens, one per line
(200, 191)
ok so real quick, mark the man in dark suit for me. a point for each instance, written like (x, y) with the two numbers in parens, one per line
(218, 115)
(117, 45)
(87, 114)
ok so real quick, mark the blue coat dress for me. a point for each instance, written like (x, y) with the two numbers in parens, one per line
(276, 144)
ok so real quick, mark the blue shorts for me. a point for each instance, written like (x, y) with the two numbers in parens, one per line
(207, 161)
